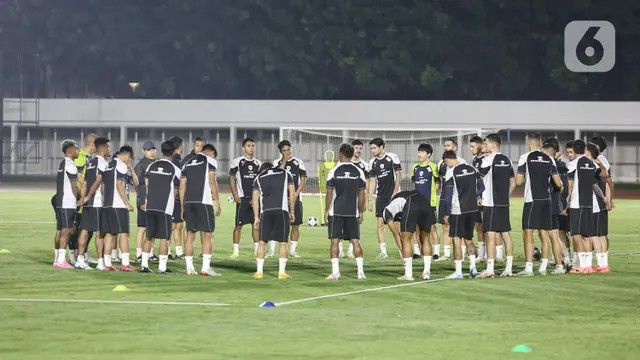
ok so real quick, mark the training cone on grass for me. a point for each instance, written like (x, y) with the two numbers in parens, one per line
(121, 288)
(5, 251)
(267, 304)
(521, 349)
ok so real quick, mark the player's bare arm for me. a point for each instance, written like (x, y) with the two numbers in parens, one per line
(327, 200)
(255, 204)
(123, 194)
(213, 184)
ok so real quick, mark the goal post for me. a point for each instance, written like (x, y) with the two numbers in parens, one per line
(311, 145)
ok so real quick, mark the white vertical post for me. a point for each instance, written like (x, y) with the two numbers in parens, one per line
(459, 140)
(190, 139)
(13, 149)
(218, 138)
(232, 142)
(614, 150)
(123, 135)
(163, 136)
(576, 134)
(54, 150)
(135, 140)
(345, 136)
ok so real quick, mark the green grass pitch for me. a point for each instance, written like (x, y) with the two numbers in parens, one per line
(573, 316)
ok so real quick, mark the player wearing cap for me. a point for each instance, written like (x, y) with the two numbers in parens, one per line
(150, 154)
(67, 196)
(273, 203)
(345, 199)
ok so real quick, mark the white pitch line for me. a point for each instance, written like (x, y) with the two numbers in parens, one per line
(356, 292)
(115, 302)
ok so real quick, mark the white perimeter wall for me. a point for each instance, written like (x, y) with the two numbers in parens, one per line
(541, 115)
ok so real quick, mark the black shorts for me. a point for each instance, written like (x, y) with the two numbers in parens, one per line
(158, 225)
(416, 213)
(388, 217)
(199, 217)
(441, 212)
(114, 221)
(563, 222)
(142, 217)
(381, 203)
(602, 223)
(65, 218)
(462, 225)
(479, 216)
(496, 218)
(536, 215)
(274, 226)
(90, 219)
(344, 227)
(244, 212)
(177, 212)
(582, 222)
(297, 213)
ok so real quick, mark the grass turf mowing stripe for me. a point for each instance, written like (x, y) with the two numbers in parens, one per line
(117, 302)
(291, 302)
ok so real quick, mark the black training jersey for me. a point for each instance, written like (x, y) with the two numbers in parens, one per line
(245, 171)
(584, 174)
(496, 171)
(476, 162)
(346, 180)
(177, 161)
(467, 186)
(563, 171)
(196, 171)
(384, 170)
(602, 181)
(161, 194)
(187, 158)
(273, 186)
(364, 166)
(398, 201)
(295, 167)
(115, 171)
(94, 167)
(537, 167)
(140, 169)
(67, 174)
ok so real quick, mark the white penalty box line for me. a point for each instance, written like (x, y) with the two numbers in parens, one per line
(114, 302)
(329, 296)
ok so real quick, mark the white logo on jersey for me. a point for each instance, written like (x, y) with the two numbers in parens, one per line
(421, 173)
(160, 171)
(250, 167)
(295, 163)
(540, 160)
(381, 166)
(288, 168)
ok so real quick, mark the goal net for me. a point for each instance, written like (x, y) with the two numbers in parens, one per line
(314, 147)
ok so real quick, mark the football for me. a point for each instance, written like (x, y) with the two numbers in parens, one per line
(230, 199)
(312, 221)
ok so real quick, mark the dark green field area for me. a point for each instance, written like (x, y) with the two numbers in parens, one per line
(559, 317)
